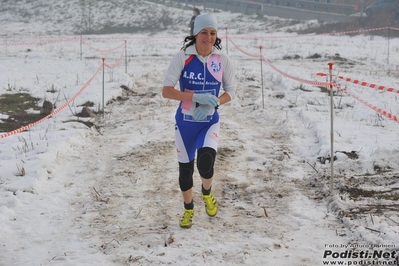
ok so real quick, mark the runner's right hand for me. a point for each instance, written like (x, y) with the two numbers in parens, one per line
(206, 98)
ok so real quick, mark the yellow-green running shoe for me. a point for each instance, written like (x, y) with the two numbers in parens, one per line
(187, 218)
(211, 205)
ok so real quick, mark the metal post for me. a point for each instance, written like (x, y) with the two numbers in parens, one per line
(125, 56)
(81, 53)
(261, 75)
(389, 35)
(103, 88)
(227, 43)
(330, 65)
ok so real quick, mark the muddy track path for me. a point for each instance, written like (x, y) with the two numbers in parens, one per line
(135, 204)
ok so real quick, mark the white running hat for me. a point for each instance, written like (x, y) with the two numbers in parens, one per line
(204, 21)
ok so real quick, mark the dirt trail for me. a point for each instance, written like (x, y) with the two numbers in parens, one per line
(138, 192)
(136, 204)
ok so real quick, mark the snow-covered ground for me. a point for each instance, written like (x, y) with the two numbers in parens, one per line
(109, 195)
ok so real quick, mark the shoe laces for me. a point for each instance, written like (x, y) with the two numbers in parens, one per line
(188, 215)
(209, 201)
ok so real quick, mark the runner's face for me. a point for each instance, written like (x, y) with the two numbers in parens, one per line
(206, 38)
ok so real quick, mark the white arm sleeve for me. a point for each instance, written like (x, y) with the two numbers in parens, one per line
(174, 71)
(229, 79)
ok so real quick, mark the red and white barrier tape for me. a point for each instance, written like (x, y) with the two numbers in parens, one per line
(56, 111)
(312, 35)
(104, 51)
(242, 50)
(375, 108)
(117, 61)
(311, 82)
(363, 83)
(39, 43)
(316, 83)
(327, 85)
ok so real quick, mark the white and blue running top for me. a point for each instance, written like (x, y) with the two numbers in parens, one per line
(197, 74)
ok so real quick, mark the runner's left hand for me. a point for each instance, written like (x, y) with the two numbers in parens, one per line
(202, 111)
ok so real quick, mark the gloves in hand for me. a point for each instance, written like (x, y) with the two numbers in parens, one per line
(202, 111)
(206, 98)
